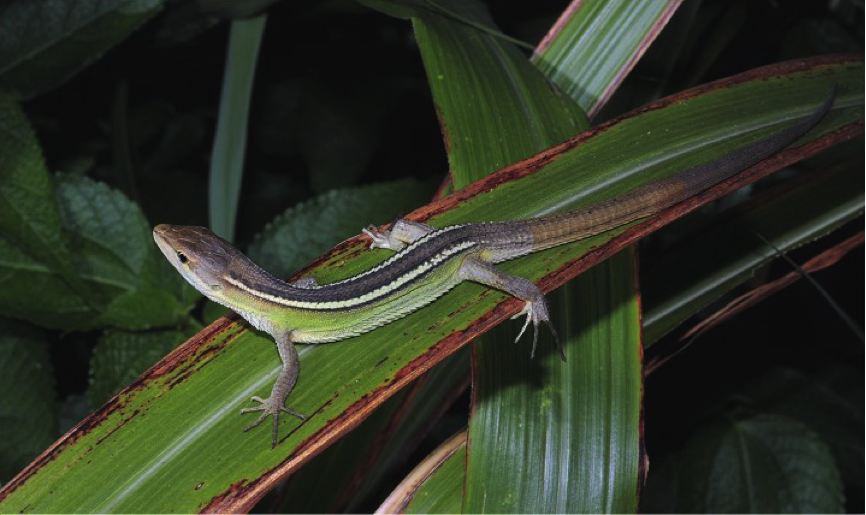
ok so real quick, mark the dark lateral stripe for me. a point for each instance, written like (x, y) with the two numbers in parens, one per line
(367, 297)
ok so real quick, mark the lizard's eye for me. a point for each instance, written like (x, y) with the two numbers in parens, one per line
(182, 257)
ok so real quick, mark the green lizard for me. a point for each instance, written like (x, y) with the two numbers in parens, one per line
(428, 262)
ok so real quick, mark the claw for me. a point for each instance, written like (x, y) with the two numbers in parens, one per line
(537, 312)
(269, 407)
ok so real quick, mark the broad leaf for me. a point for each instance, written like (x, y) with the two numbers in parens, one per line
(42, 44)
(758, 464)
(27, 396)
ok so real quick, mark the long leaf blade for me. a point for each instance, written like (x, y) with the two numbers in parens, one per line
(230, 143)
(596, 43)
(177, 427)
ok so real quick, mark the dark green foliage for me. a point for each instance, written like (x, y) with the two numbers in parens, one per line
(28, 411)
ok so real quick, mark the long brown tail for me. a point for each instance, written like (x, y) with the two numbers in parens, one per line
(654, 197)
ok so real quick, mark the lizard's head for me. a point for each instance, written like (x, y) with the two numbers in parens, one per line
(201, 257)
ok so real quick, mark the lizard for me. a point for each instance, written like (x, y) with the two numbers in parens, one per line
(427, 263)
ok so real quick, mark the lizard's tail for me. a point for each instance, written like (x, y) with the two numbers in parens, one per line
(654, 197)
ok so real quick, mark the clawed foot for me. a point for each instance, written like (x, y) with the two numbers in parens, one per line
(269, 407)
(536, 312)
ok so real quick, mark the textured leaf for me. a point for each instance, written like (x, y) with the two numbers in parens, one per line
(113, 241)
(29, 217)
(44, 43)
(827, 402)
(27, 397)
(106, 229)
(129, 285)
(758, 464)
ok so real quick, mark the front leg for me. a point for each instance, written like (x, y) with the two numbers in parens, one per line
(401, 233)
(535, 308)
(274, 404)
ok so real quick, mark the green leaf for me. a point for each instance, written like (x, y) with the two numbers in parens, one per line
(129, 284)
(43, 44)
(113, 241)
(27, 398)
(757, 464)
(466, 66)
(577, 435)
(828, 402)
(230, 142)
(303, 232)
(595, 45)
(29, 217)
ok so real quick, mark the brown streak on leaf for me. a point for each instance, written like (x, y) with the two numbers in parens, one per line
(233, 490)
(167, 364)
